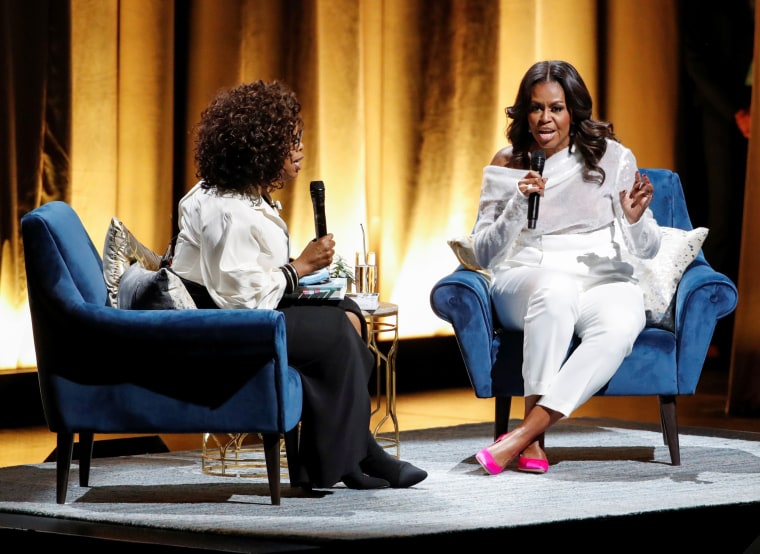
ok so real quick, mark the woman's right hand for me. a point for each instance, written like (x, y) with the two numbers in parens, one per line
(317, 254)
(532, 182)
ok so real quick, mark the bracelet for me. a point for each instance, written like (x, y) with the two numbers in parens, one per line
(291, 277)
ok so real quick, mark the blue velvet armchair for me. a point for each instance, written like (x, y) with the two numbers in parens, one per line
(108, 370)
(664, 363)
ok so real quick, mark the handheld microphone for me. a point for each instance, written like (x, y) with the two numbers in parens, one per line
(318, 202)
(537, 160)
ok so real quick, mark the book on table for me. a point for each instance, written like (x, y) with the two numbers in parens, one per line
(334, 288)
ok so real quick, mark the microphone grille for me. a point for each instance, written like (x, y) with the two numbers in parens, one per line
(317, 186)
(537, 160)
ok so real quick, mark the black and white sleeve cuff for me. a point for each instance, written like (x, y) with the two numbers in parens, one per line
(291, 277)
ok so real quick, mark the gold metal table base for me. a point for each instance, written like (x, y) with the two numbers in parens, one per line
(384, 320)
(237, 455)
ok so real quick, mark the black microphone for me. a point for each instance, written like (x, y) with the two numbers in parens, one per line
(318, 202)
(537, 160)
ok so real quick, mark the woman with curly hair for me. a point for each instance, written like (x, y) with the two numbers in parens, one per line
(561, 274)
(233, 251)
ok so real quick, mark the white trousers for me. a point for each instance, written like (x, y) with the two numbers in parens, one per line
(550, 306)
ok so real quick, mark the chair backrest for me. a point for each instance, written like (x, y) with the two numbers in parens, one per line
(668, 203)
(64, 271)
(61, 255)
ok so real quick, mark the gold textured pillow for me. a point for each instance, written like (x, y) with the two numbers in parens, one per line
(122, 249)
(462, 248)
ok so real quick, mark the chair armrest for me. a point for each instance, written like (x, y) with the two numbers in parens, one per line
(703, 297)
(462, 298)
(129, 345)
(250, 331)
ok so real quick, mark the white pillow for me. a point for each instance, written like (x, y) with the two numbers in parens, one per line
(659, 276)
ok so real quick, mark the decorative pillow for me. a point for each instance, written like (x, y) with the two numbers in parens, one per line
(659, 276)
(462, 247)
(146, 289)
(120, 251)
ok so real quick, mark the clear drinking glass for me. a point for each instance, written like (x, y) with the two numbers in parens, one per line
(361, 281)
(365, 274)
(372, 272)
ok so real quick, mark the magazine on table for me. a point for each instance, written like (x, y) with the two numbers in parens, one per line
(319, 286)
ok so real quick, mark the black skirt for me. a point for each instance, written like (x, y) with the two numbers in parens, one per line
(336, 365)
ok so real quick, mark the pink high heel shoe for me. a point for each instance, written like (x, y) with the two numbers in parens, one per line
(487, 462)
(532, 465)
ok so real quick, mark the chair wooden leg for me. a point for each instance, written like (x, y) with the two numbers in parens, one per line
(502, 407)
(86, 442)
(669, 421)
(272, 457)
(64, 449)
(291, 453)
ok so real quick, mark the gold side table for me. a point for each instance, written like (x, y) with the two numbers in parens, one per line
(384, 321)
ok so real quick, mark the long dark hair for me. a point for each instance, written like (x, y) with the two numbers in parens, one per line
(586, 134)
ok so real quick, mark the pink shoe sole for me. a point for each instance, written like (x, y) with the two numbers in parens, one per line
(487, 462)
(532, 465)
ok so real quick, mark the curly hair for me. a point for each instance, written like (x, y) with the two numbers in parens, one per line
(244, 137)
(587, 134)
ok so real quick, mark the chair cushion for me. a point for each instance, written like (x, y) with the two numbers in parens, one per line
(145, 289)
(120, 250)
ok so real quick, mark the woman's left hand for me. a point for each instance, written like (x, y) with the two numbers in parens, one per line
(637, 200)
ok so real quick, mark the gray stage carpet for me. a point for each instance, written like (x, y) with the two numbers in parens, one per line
(599, 469)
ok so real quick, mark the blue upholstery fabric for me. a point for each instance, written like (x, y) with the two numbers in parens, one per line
(106, 370)
(662, 363)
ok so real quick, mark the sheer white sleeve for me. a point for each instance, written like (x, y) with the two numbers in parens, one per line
(502, 214)
(643, 237)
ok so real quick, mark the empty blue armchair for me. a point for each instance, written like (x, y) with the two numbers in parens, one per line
(108, 370)
(664, 363)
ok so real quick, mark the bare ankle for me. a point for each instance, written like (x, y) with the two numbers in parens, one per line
(534, 451)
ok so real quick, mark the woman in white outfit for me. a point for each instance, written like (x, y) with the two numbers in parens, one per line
(566, 276)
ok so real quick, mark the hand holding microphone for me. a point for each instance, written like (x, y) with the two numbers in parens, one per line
(537, 160)
(319, 252)
(316, 255)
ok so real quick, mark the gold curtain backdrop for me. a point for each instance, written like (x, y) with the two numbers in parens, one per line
(403, 102)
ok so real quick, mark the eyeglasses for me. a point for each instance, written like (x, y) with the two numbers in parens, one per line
(297, 138)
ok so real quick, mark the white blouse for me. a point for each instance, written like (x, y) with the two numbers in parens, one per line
(570, 207)
(232, 246)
